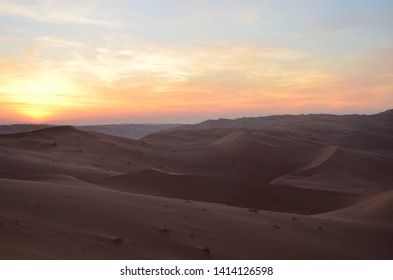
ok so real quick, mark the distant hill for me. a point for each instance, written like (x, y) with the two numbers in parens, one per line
(361, 131)
(133, 131)
(16, 128)
(354, 121)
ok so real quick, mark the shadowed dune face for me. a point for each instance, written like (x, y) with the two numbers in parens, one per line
(320, 185)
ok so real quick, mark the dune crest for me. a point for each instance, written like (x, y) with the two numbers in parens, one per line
(326, 154)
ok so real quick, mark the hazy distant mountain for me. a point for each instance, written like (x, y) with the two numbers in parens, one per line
(134, 131)
(346, 130)
(354, 121)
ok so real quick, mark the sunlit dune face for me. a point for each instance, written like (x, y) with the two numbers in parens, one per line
(40, 97)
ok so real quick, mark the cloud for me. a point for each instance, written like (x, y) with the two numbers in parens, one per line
(207, 61)
(45, 12)
(57, 42)
(133, 78)
(7, 8)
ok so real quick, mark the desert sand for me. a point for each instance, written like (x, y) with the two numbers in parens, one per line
(279, 187)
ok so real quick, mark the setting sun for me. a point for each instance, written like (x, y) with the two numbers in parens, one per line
(36, 113)
(40, 97)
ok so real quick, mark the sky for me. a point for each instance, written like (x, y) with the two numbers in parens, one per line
(176, 61)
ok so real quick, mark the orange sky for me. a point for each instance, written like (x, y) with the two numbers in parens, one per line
(186, 65)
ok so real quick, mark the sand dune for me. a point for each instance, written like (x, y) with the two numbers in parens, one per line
(343, 170)
(377, 209)
(281, 187)
(46, 220)
(133, 131)
(325, 154)
(230, 192)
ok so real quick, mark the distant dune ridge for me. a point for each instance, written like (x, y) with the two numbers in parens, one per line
(134, 131)
(278, 187)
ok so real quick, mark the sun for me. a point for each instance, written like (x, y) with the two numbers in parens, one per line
(37, 113)
(40, 97)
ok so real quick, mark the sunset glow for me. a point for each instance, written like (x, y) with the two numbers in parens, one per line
(171, 61)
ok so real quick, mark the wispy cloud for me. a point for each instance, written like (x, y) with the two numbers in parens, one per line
(57, 42)
(207, 60)
(8, 8)
(41, 11)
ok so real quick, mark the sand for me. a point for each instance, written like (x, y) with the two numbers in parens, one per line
(281, 187)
